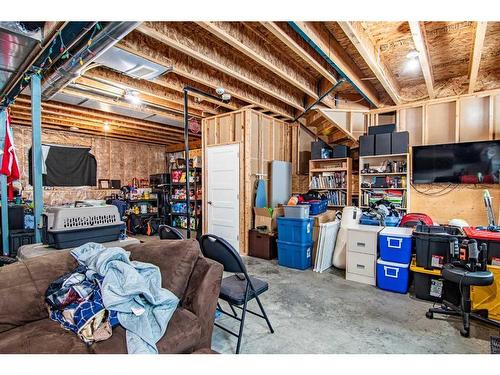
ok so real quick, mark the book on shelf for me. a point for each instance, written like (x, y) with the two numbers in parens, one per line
(329, 180)
(337, 198)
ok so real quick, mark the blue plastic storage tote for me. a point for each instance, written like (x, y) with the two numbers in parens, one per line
(395, 244)
(294, 255)
(316, 207)
(390, 221)
(393, 276)
(295, 230)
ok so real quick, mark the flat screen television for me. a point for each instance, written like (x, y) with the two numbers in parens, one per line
(458, 163)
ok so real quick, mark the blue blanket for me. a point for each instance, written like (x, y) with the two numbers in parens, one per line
(133, 289)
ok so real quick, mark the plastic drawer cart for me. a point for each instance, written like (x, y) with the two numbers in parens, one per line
(295, 230)
(395, 245)
(393, 276)
(361, 257)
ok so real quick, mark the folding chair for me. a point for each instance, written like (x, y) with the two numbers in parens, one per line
(167, 232)
(238, 289)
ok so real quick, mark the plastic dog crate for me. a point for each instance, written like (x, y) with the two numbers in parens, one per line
(295, 230)
(295, 255)
(395, 244)
(67, 227)
(392, 276)
(432, 243)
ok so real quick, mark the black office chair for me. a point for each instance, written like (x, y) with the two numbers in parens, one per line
(238, 289)
(465, 279)
(166, 232)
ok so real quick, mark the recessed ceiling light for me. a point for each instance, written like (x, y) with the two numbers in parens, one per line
(132, 96)
(412, 54)
(412, 65)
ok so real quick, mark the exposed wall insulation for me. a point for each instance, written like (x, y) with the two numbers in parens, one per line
(116, 160)
(474, 119)
(262, 139)
(463, 202)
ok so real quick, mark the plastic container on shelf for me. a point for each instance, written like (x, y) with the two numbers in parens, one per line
(300, 211)
(294, 255)
(316, 207)
(392, 276)
(295, 230)
(432, 244)
(395, 244)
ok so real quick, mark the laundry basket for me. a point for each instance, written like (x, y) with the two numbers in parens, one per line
(67, 227)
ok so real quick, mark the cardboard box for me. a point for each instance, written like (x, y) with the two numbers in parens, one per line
(263, 218)
(325, 217)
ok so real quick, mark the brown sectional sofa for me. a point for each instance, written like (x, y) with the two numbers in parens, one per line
(26, 328)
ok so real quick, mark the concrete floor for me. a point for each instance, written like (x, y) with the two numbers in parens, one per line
(324, 313)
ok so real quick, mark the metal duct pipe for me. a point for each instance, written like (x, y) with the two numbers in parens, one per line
(103, 40)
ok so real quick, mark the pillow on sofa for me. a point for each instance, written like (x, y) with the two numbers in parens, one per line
(176, 259)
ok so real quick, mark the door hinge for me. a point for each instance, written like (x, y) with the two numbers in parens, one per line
(237, 238)
(237, 197)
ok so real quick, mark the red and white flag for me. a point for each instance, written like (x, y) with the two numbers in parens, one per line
(9, 166)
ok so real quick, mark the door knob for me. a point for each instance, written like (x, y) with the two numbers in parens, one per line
(209, 202)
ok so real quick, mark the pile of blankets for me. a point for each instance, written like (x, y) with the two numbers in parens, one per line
(108, 289)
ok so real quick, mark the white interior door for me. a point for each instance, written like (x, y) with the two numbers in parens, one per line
(223, 188)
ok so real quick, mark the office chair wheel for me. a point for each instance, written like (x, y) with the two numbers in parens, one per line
(464, 332)
(429, 315)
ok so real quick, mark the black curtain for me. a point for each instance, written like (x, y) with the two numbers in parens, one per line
(68, 166)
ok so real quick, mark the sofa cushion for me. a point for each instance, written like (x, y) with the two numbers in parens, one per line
(41, 337)
(183, 333)
(20, 300)
(176, 260)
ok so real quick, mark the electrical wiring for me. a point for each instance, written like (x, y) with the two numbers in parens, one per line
(444, 191)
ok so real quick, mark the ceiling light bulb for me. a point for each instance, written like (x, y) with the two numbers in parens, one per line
(412, 65)
(226, 97)
(106, 126)
(132, 97)
(412, 54)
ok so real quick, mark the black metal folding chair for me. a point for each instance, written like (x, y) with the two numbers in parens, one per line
(167, 232)
(238, 289)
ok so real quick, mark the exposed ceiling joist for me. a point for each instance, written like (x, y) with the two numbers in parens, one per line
(476, 53)
(418, 35)
(320, 39)
(180, 146)
(189, 68)
(292, 77)
(299, 51)
(170, 36)
(358, 37)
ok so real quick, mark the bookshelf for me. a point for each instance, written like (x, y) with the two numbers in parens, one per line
(332, 177)
(393, 182)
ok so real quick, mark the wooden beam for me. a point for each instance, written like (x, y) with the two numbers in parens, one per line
(273, 28)
(180, 146)
(173, 36)
(291, 76)
(333, 52)
(361, 41)
(186, 67)
(101, 115)
(477, 50)
(418, 35)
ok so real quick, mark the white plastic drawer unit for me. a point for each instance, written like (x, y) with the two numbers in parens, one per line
(361, 264)
(363, 239)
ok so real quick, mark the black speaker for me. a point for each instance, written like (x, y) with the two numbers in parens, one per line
(383, 144)
(400, 141)
(340, 151)
(381, 129)
(366, 145)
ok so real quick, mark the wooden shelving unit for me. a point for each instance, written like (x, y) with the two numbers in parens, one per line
(399, 180)
(337, 182)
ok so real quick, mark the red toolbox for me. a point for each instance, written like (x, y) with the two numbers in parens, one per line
(492, 240)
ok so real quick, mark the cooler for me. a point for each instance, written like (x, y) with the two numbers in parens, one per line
(295, 230)
(393, 276)
(395, 244)
(294, 255)
(491, 239)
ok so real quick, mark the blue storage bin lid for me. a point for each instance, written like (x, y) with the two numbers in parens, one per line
(283, 218)
(392, 264)
(397, 232)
